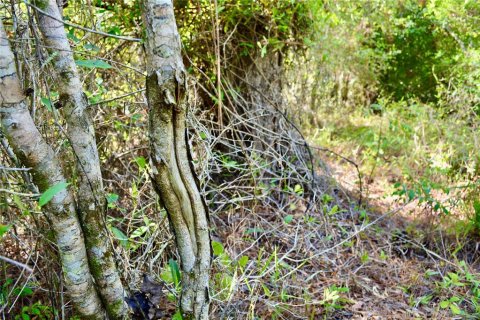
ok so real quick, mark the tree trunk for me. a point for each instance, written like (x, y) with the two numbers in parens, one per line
(34, 152)
(81, 134)
(263, 88)
(173, 176)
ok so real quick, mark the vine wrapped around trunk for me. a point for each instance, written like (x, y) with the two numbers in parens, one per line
(173, 176)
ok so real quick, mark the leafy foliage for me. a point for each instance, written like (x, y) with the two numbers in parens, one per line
(419, 53)
(93, 64)
(51, 192)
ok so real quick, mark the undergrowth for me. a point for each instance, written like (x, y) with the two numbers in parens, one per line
(412, 150)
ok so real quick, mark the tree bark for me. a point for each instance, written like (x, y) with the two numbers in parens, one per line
(81, 133)
(34, 152)
(173, 176)
(263, 88)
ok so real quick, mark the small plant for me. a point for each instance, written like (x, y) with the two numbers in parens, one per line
(452, 279)
(332, 299)
(465, 288)
(452, 303)
(37, 311)
(422, 191)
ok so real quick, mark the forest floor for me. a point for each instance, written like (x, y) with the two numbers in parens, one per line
(382, 260)
(394, 279)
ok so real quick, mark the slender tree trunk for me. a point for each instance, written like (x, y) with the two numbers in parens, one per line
(173, 176)
(34, 152)
(91, 200)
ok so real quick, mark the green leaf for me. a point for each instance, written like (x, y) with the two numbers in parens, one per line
(93, 64)
(177, 316)
(120, 236)
(26, 291)
(51, 192)
(455, 309)
(267, 291)
(47, 103)
(22, 291)
(134, 190)
(166, 275)
(333, 210)
(444, 304)
(139, 232)
(217, 248)
(174, 269)
(115, 30)
(431, 273)
(327, 198)
(141, 162)
(4, 229)
(411, 195)
(111, 199)
(225, 260)
(230, 164)
(298, 189)
(453, 276)
(288, 218)
(242, 262)
(71, 36)
(476, 207)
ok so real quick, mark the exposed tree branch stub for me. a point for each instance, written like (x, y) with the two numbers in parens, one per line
(81, 134)
(172, 174)
(33, 152)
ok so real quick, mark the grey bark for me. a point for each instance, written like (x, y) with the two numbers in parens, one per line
(171, 171)
(81, 133)
(34, 152)
(264, 89)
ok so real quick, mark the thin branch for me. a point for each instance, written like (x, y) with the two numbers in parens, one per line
(16, 263)
(33, 195)
(14, 169)
(83, 28)
(117, 98)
